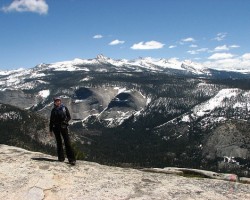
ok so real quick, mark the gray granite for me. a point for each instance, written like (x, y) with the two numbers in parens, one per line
(32, 175)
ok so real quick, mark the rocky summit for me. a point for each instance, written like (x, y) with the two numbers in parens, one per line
(32, 175)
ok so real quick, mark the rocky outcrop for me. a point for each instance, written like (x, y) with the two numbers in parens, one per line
(24, 128)
(229, 139)
(108, 102)
(18, 98)
(32, 175)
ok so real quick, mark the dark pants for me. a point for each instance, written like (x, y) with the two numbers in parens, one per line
(58, 131)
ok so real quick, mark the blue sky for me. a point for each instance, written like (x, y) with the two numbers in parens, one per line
(212, 32)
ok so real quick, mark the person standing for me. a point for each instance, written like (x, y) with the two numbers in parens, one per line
(59, 119)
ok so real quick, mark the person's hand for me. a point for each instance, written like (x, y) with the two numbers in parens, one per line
(65, 123)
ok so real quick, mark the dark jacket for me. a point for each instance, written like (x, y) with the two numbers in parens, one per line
(59, 116)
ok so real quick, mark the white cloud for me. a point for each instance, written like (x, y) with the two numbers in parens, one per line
(147, 45)
(36, 6)
(221, 48)
(174, 59)
(229, 64)
(193, 46)
(188, 39)
(246, 56)
(226, 61)
(97, 36)
(218, 56)
(220, 36)
(234, 46)
(172, 46)
(202, 50)
(224, 48)
(194, 52)
(116, 42)
(197, 58)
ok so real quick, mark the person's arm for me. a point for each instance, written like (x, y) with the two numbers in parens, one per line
(68, 117)
(51, 122)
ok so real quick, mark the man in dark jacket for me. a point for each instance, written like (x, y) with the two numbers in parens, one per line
(59, 119)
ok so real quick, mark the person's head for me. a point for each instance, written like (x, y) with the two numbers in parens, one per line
(57, 101)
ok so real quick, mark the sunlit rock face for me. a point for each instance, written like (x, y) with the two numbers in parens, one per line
(32, 175)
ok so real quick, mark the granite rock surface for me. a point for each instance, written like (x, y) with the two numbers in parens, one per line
(36, 176)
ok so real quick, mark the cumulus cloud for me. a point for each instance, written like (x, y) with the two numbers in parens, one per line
(147, 45)
(221, 48)
(172, 46)
(224, 48)
(220, 36)
(36, 6)
(218, 56)
(189, 39)
(246, 56)
(227, 61)
(97, 36)
(116, 42)
(229, 64)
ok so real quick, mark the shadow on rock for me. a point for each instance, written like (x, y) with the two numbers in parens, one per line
(45, 159)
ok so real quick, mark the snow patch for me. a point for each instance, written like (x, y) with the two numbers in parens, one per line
(88, 78)
(10, 115)
(69, 66)
(186, 118)
(78, 101)
(214, 102)
(122, 90)
(37, 75)
(44, 93)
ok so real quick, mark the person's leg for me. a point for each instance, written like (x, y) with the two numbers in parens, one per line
(69, 150)
(59, 145)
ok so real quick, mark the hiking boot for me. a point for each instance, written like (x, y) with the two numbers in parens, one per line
(72, 162)
(61, 160)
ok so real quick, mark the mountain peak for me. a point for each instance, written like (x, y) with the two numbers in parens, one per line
(102, 57)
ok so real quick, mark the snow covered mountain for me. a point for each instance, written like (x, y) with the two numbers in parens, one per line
(149, 112)
(34, 88)
(16, 79)
(217, 129)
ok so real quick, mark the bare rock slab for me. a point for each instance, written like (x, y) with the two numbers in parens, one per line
(32, 175)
